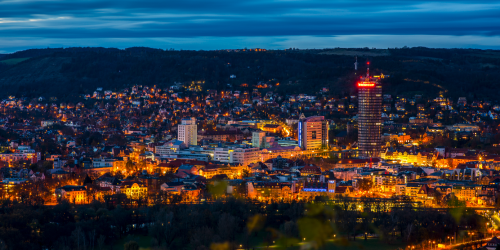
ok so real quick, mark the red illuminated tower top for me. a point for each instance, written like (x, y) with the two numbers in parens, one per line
(367, 81)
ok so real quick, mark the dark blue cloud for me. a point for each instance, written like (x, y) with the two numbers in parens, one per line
(202, 24)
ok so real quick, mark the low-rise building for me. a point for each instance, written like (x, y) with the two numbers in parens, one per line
(134, 189)
(72, 194)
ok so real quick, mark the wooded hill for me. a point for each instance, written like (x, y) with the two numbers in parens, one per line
(68, 73)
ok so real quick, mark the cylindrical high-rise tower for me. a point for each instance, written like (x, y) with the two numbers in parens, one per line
(369, 117)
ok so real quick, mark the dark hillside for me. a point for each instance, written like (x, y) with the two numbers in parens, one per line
(68, 73)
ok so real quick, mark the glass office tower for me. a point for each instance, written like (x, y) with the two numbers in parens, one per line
(369, 117)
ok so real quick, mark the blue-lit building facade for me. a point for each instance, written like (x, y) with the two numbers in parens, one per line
(313, 133)
(313, 189)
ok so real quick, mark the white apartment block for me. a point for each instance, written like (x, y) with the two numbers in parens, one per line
(188, 131)
(103, 163)
(164, 150)
(258, 139)
(245, 156)
(169, 147)
(221, 154)
(237, 155)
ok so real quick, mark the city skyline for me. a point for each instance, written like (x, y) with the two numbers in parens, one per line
(145, 147)
(278, 124)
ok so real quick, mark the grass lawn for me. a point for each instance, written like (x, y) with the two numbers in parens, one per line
(14, 60)
(143, 241)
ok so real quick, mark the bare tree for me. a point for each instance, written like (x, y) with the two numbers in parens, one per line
(409, 229)
(168, 224)
(100, 242)
(92, 239)
(75, 235)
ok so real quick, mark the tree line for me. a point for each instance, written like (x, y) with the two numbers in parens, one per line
(227, 223)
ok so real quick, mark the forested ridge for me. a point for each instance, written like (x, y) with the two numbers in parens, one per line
(69, 73)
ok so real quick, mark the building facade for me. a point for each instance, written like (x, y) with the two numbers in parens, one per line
(369, 117)
(188, 131)
(23, 153)
(134, 189)
(237, 155)
(73, 194)
(258, 139)
(313, 133)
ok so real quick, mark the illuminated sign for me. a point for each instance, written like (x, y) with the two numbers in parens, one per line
(366, 84)
(314, 189)
(300, 134)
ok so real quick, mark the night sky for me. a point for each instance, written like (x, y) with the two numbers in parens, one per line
(229, 24)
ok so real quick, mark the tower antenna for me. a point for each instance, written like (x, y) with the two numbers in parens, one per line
(368, 70)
